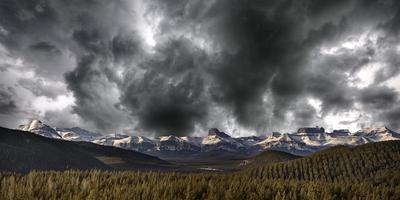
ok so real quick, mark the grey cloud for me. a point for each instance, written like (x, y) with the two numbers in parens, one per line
(258, 50)
(91, 89)
(392, 117)
(262, 61)
(378, 97)
(348, 122)
(391, 66)
(126, 47)
(7, 103)
(305, 115)
(39, 88)
(170, 97)
(90, 40)
(332, 90)
(44, 46)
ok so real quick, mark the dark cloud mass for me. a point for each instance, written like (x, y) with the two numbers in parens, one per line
(178, 67)
(378, 97)
(170, 97)
(7, 104)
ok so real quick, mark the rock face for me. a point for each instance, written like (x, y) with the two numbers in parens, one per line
(340, 133)
(310, 131)
(216, 132)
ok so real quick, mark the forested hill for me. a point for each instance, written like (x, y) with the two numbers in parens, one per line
(268, 157)
(22, 151)
(376, 162)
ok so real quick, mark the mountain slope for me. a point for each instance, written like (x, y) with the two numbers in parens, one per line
(23, 151)
(340, 163)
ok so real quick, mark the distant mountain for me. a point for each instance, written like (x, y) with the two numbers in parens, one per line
(285, 142)
(77, 134)
(22, 152)
(136, 143)
(378, 134)
(304, 142)
(220, 141)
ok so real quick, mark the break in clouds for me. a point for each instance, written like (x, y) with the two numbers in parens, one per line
(180, 67)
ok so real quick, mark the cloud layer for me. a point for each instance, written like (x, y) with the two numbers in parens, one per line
(180, 67)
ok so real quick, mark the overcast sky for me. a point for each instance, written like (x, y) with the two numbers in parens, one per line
(148, 67)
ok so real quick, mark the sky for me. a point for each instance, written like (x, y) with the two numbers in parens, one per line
(156, 67)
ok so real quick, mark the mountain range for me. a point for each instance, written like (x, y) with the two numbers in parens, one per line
(304, 142)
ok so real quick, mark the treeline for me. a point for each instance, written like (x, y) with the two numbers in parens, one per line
(151, 185)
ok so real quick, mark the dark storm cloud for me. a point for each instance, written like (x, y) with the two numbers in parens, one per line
(89, 87)
(94, 75)
(44, 46)
(82, 73)
(22, 16)
(383, 102)
(265, 47)
(124, 47)
(378, 97)
(169, 98)
(391, 67)
(392, 117)
(7, 104)
(349, 122)
(90, 40)
(330, 86)
(258, 60)
(305, 115)
(390, 58)
(39, 88)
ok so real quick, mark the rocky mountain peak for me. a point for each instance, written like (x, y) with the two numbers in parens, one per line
(216, 132)
(37, 127)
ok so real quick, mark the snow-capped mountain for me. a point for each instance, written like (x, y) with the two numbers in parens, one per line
(174, 143)
(136, 143)
(37, 127)
(77, 134)
(284, 142)
(304, 141)
(378, 134)
(216, 140)
(251, 140)
(109, 139)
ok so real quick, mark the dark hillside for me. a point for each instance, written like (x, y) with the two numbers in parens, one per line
(23, 151)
